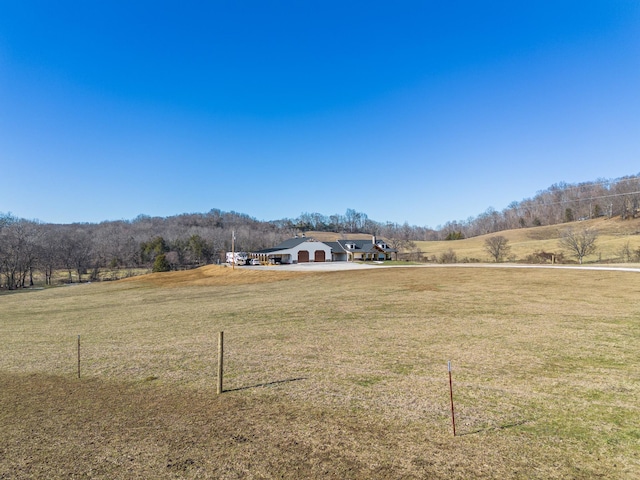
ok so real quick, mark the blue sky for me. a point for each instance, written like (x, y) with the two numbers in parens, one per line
(423, 112)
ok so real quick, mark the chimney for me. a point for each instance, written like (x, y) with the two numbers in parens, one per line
(373, 239)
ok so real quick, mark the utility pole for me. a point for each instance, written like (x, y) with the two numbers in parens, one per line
(233, 249)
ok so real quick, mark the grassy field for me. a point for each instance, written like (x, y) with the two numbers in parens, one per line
(613, 235)
(328, 375)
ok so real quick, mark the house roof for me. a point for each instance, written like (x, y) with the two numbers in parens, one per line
(362, 246)
(335, 247)
(290, 243)
(269, 250)
(365, 246)
(287, 244)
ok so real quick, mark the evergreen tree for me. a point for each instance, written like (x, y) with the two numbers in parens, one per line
(161, 264)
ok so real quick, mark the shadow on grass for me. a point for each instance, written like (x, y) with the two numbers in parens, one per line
(498, 427)
(267, 384)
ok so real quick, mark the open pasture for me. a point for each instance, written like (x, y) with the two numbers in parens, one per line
(327, 375)
(614, 235)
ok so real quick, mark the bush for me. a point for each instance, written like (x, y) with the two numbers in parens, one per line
(454, 236)
(470, 260)
(448, 257)
(161, 264)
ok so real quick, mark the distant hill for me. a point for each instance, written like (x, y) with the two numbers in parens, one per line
(333, 236)
(613, 236)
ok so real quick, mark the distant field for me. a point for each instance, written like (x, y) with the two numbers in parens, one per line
(328, 375)
(614, 234)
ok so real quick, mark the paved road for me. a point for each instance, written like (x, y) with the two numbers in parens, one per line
(337, 266)
(316, 266)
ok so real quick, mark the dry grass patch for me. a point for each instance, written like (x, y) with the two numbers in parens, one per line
(335, 375)
(213, 275)
(613, 235)
(60, 428)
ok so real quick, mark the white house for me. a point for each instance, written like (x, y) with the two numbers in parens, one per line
(296, 250)
(303, 249)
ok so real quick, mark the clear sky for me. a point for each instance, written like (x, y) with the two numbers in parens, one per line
(423, 112)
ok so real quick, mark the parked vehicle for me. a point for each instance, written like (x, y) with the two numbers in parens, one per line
(238, 258)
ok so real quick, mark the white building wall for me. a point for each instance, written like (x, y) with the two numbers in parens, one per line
(312, 247)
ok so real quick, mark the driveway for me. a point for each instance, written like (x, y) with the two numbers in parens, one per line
(316, 266)
(337, 266)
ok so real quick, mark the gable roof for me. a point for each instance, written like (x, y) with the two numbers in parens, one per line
(340, 246)
(287, 244)
(364, 246)
(335, 247)
(290, 243)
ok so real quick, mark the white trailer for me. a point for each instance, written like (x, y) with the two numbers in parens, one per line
(237, 258)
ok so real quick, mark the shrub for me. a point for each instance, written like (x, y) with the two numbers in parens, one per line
(454, 236)
(448, 257)
(470, 260)
(161, 264)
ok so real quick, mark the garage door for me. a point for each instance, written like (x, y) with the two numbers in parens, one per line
(303, 256)
(319, 256)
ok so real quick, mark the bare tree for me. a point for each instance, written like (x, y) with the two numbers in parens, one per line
(354, 220)
(580, 243)
(75, 250)
(625, 252)
(49, 252)
(11, 255)
(498, 247)
(398, 237)
(18, 252)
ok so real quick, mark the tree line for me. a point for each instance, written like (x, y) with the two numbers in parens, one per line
(560, 203)
(85, 250)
